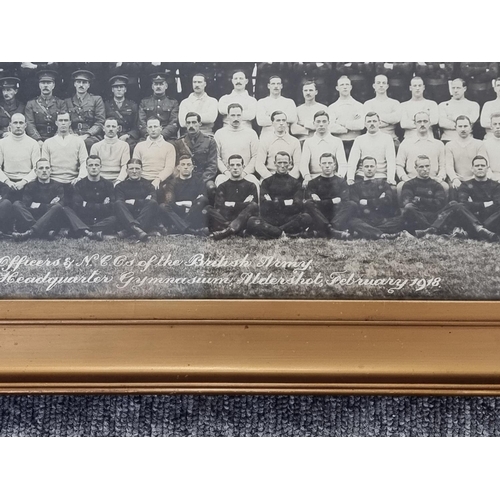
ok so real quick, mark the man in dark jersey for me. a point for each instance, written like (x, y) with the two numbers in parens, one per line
(182, 200)
(41, 213)
(135, 206)
(422, 198)
(375, 200)
(93, 200)
(478, 208)
(281, 204)
(236, 200)
(327, 201)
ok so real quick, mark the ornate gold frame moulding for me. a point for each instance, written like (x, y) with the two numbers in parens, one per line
(249, 346)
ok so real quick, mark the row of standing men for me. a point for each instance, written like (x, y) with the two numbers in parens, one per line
(478, 76)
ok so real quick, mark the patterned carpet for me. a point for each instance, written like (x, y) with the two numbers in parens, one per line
(248, 416)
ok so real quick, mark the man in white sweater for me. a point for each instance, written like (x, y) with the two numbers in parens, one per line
(113, 152)
(274, 102)
(457, 106)
(377, 144)
(236, 139)
(239, 95)
(18, 156)
(346, 114)
(66, 153)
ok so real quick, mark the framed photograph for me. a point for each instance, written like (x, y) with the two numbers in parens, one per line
(250, 227)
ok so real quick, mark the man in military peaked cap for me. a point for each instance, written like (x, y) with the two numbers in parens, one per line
(41, 113)
(86, 110)
(9, 105)
(159, 106)
(123, 110)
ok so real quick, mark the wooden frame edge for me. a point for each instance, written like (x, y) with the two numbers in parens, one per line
(250, 346)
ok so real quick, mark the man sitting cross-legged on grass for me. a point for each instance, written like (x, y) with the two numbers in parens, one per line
(478, 209)
(93, 200)
(182, 200)
(281, 204)
(135, 206)
(422, 198)
(40, 214)
(235, 202)
(327, 201)
(375, 200)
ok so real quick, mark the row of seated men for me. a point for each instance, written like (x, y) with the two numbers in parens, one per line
(218, 75)
(327, 207)
(88, 111)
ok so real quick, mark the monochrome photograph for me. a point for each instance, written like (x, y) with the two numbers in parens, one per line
(284, 180)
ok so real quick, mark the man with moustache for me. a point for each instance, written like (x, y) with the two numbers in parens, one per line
(93, 201)
(87, 111)
(267, 106)
(460, 152)
(376, 144)
(416, 104)
(304, 126)
(375, 205)
(182, 201)
(279, 140)
(41, 113)
(423, 143)
(202, 148)
(388, 109)
(18, 156)
(281, 204)
(135, 205)
(327, 201)
(236, 201)
(201, 103)
(123, 110)
(41, 213)
(314, 147)
(114, 153)
(156, 155)
(9, 105)
(236, 139)
(477, 211)
(239, 95)
(458, 105)
(161, 107)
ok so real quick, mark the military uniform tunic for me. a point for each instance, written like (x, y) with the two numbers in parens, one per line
(41, 115)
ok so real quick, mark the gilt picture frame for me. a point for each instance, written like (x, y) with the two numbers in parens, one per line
(295, 315)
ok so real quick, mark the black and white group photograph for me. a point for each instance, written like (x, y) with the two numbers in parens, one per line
(315, 180)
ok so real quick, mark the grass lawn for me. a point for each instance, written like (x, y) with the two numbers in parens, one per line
(192, 267)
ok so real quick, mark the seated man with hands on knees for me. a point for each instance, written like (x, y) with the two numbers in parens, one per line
(135, 206)
(281, 204)
(375, 200)
(236, 200)
(327, 201)
(182, 202)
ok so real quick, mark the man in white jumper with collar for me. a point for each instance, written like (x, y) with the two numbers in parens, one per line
(240, 96)
(377, 144)
(274, 102)
(113, 152)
